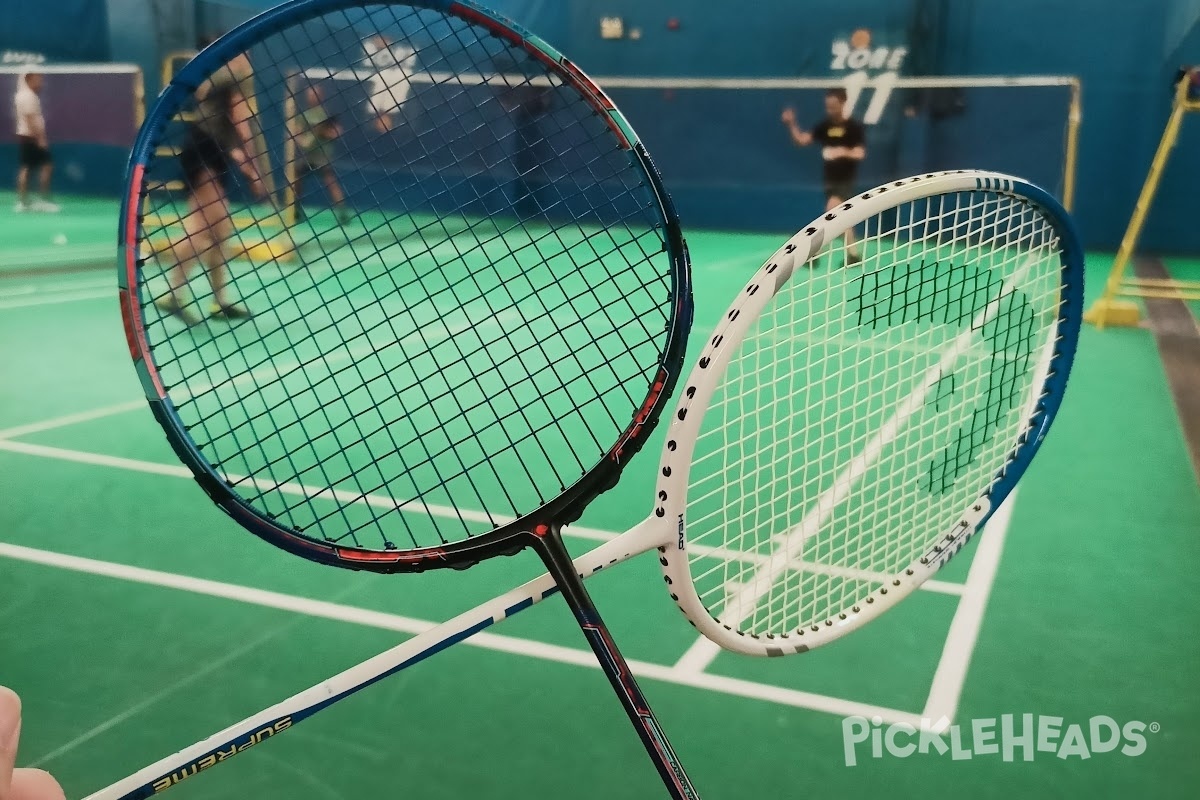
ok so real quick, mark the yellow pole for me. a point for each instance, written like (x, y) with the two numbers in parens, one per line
(139, 99)
(1099, 312)
(289, 152)
(1074, 118)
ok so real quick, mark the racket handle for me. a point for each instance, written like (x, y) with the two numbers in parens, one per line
(550, 547)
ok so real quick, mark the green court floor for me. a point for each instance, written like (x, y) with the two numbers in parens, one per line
(135, 618)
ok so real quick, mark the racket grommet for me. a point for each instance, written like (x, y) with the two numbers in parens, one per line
(704, 362)
(660, 512)
(666, 471)
(671, 445)
(681, 414)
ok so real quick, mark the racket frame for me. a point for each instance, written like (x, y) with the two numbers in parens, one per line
(507, 537)
(726, 339)
(658, 531)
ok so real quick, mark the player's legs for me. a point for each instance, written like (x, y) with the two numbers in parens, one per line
(298, 190)
(27, 162)
(47, 171)
(834, 197)
(221, 230)
(44, 163)
(208, 225)
(215, 216)
(336, 195)
(22, 187)
(197, 242)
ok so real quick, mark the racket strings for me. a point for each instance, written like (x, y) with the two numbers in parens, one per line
(475, 338)
(352, 366)
(900, 384)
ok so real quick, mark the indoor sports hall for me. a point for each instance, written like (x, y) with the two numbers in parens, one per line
(1053, 656)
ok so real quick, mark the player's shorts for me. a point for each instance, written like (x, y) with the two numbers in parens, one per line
(311, 163)
(31, 154)
(202, 154)
(843, 190)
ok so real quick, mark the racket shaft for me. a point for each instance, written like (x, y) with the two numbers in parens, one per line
(280, 717)
(567, 574)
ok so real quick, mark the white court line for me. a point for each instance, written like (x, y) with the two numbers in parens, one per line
(951, 672)
(280, 370)
(699, 656)
(149, 700)
(61, 286)
(71, 419)
(488, 641)
(60, 298)
(57, 254)
(377, 501)
(146, 702)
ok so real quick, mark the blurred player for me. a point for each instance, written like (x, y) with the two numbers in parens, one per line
(33, 148)
(844, 148)
(220, 140)
(390, 87)
(315, 132)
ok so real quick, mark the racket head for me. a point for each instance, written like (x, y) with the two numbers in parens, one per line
(518, 228)
(847, 430)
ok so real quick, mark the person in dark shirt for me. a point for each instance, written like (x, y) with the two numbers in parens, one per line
(217, 142)
(844, 146)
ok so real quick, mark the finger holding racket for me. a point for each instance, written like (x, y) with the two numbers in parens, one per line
(504, 338)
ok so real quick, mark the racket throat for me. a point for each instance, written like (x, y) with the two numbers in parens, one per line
(548, 542)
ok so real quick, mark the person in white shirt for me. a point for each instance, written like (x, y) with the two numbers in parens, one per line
(390, 87)
(33, 148)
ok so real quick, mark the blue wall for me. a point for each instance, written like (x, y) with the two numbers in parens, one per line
(29, 26)
(1125, 53)
(1173, 220)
